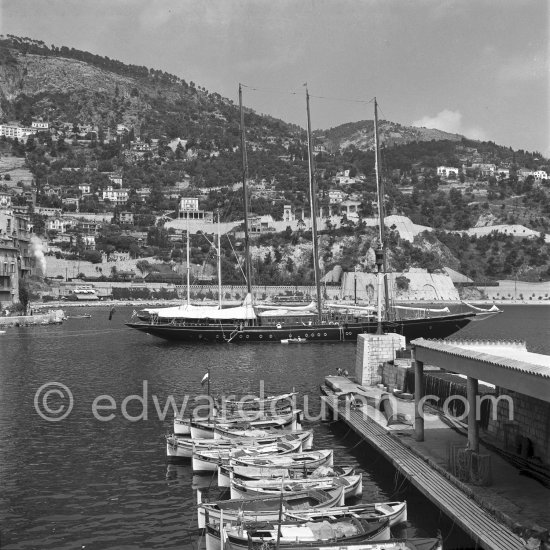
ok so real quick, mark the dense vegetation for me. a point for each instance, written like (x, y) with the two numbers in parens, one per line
(158, 106)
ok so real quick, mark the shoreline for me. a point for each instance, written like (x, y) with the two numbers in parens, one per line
(167, 303)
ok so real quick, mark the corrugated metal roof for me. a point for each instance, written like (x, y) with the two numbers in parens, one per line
(495, 353)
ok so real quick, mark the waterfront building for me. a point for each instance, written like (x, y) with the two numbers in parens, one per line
(15, 254)
(9, 276)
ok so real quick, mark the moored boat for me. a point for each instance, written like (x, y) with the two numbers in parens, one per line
(206, 429)
(352, 484)
(267, 508)
(227, 472)
(235, 432)
(394, 512)
(281, 400)
(246, 323)
(298, 340)
(333, 533)
(307, 461)
(209, 460)
(182, 447)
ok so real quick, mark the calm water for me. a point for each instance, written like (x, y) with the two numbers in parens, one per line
(83, 483)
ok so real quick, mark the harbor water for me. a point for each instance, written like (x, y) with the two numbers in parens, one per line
(99, 478)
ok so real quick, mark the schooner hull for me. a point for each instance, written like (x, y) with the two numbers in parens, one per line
(434, 328)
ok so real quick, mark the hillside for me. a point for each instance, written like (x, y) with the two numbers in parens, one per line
(60, 84)
(360, 135)
(108, 119)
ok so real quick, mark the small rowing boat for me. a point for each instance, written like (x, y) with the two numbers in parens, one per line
(297, 340)
(208, 461)
(266, 508)
(308, 461)
(235, 432)
(248, 473)
(394, 512)
(352, 484)
(296, 535)
(206, 429)
(182, 447)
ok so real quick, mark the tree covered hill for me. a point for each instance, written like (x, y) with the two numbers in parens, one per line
(60, 83)
(67, 86)
(360, 135)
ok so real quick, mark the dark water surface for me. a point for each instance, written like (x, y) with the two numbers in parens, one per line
(85, 483)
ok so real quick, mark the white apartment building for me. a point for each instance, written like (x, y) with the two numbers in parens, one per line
(447, 171)
(61, 225)
(40, 126)
(118, 196)
(15, 131)
(116, 179)
(188, 209)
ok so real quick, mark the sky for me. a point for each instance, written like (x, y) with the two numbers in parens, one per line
(475, 67)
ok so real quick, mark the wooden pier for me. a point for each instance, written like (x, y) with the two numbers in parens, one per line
(478, 523)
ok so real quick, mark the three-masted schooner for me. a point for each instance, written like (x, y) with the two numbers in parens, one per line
(313, 323)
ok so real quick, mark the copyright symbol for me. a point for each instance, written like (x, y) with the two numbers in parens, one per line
(49, 401)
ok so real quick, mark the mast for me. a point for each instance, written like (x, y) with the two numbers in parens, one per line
(248, 270)
(188, 264)
(380, 251)
(313, 204)
(219, 250)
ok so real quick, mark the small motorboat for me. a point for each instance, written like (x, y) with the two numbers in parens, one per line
(85, 316)
(298, 340)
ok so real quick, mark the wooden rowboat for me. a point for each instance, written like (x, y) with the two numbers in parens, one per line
(352, 484)
(307, 461)
(227, 472)
(296, 535)
(394, 512)
(264, 508)
(182, 447)
(235, 432)
(209, 460)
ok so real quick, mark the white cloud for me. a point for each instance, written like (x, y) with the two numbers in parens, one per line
(451, 121)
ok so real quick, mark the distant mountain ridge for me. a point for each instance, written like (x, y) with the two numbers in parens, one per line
(60, 83)
(361, 135)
